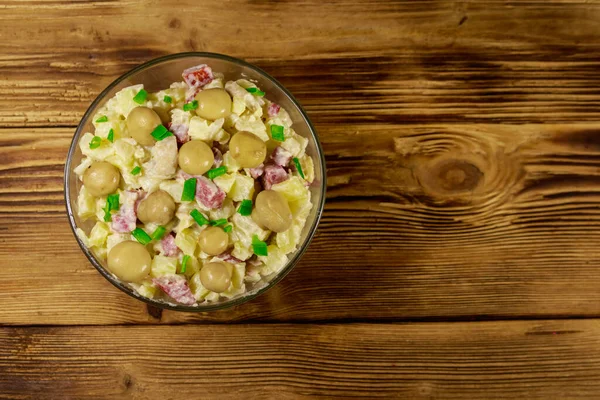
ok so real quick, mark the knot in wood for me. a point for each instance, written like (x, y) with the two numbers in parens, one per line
(461, 168)
(454, 176)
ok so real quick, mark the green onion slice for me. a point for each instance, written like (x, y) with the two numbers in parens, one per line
(259, 247)
(227, 228)
(136, 170)
(141, 236)
(190, 106)
(277, 133)
(184, 262)
(159, 233)
(189, 190)
(167, 99)
(160, 132)
(245, 208)
(113, 202)
(107, 216)
(199, 218)
(298, 166)
(103, 118)
(140, 97)
(213, 173)
(95, 142)
(255, 91)
(218, 222)
(111, 135)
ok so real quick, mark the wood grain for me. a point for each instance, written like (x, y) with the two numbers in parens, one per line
(498, 360)
(463, 152)
(443, 221)
(347, 61)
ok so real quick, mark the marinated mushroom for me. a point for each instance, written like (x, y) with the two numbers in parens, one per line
(158, 208)
(101, 178)
(272, 211)
(248, 149)
(195, 157)
(213, 104)
(213, 240)
(216, 276)
(129, 261)
(141, 121)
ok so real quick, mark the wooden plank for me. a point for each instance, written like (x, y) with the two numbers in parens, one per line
(496, 360)
(347, 61)
(421, 222)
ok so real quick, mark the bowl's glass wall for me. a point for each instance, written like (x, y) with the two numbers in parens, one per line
(159, 74)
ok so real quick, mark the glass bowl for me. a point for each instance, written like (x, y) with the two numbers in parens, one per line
(160, 73)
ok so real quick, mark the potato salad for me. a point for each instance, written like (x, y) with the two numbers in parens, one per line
(194, 191)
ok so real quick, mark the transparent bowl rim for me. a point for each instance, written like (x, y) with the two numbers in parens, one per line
(208, 307)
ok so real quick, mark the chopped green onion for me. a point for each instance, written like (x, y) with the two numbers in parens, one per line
(113, 202)
(199, 218)
(141, 236)
(159, 233)
(218, 222)
(160, 132)
(255, 91)
(107, 216)
(259, 247)
(189, 190)
(190, 106)
(136, 170)
(298, 166)
(95, 142)
(111, 136)
(184, 263)
(245, 208)
(213, 173)
(140, 97)
(227, 228)
(277, 133)
(167, 99)
(103, 118)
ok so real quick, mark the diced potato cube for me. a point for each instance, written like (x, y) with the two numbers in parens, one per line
(201, 129)
(162, 265)
(146, 289)
(288, 240)
(227, 210)
(274, 261)
(124, 99)
(86, 204)
(242, 189)
(186, 241)
(308, 168)
(98, 235)
(292, 189)
(225, 182)
(295, 144)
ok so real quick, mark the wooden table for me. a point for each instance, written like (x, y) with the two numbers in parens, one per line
(458, 252)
